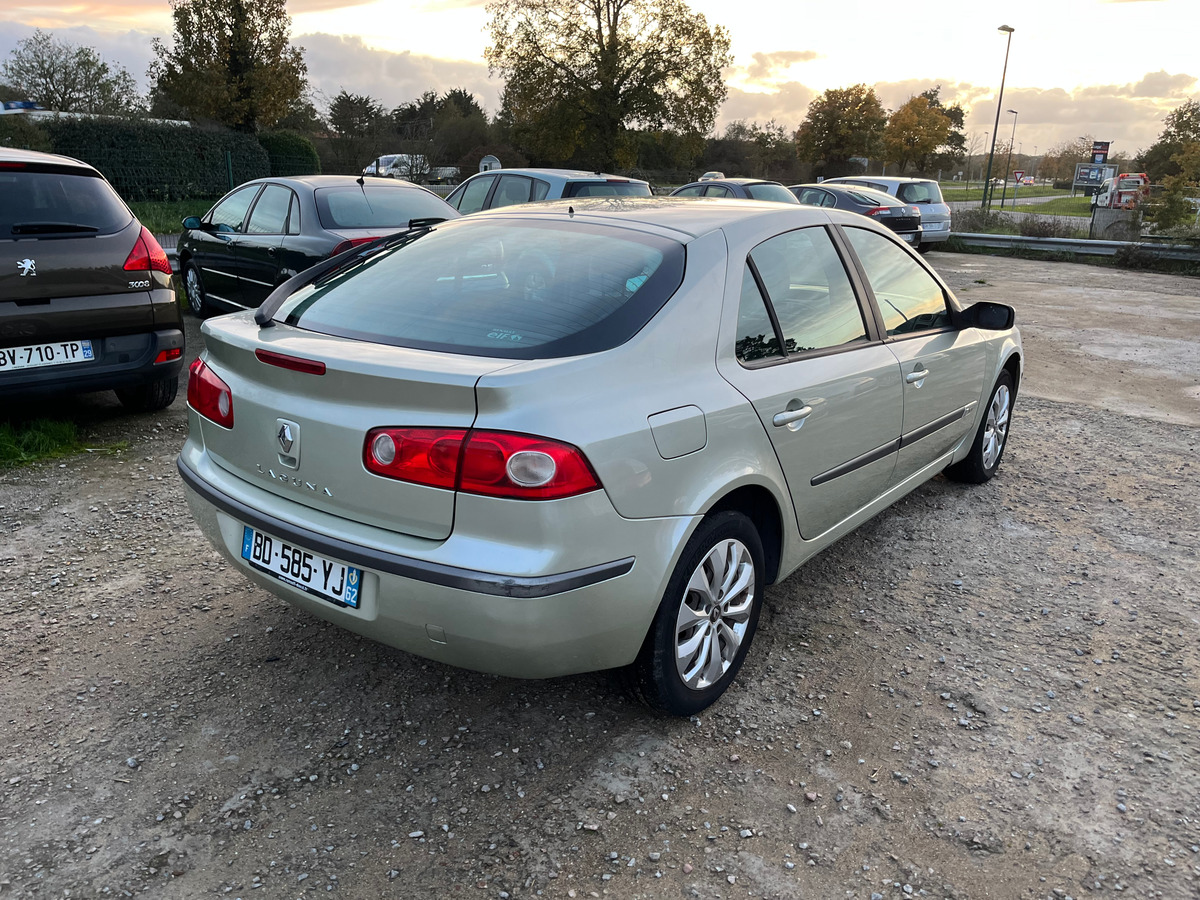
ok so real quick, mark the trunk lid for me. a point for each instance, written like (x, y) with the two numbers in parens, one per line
(365, 385)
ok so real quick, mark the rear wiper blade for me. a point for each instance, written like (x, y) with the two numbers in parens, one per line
(52, 228)
(335, 265)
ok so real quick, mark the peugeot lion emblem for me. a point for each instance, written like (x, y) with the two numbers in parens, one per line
(286, 440)
(28, 266)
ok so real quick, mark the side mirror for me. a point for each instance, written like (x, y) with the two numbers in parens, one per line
(192, 223)
(988, 316)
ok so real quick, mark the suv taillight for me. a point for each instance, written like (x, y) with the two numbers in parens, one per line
(209, 395)
(492, 463)
(147, 255)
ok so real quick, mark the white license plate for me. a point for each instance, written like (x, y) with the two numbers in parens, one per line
(35, 355)
(910, 237)
(330, 580)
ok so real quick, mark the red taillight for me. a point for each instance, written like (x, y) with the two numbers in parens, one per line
(12, 165)
(171, 355)
(492, 463)
(295, 363)
(209, 395)
(147, 255)
(352, 242)
(878, 211)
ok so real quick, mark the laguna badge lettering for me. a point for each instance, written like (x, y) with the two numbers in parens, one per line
(292, 480)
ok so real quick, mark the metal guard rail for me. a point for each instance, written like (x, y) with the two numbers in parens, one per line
(1081, 246)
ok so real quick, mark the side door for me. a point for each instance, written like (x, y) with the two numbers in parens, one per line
(943, 367)
(825, 386)
(258, 249)
(215, 253)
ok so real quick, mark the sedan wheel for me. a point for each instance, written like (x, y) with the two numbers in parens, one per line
(194, 290)
(991, 438)
(706, 620)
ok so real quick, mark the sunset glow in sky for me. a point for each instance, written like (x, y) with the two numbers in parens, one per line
(1108, 68)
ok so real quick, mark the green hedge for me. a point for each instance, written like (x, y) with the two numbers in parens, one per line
(290, 153)
(146, 161)
(23, 134)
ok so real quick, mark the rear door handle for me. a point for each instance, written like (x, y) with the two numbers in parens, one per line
(914, 377)
(787, 417)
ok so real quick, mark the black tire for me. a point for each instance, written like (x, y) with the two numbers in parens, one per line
(654, 677)
(193, 289)
(924, 247)
(149, 397)
(992, 437)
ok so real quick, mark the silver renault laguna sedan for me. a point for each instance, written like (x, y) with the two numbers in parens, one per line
(587, 434)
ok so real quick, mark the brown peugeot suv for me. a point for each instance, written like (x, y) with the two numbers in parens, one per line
(86, 302)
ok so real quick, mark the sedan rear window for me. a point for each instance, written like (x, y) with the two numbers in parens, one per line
(376, 206)
(514, 290)
(920, 192)
(776, 192)
(58, 202)
(607, 189)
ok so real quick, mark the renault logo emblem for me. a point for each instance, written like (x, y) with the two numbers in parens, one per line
(286, 437)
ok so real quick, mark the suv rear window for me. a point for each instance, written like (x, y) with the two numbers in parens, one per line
(607, 189)
(56, 200)
(376, 206)
(513, 290)
(920, 192)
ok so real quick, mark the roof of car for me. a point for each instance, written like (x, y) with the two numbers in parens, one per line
(566, 174)
(887, 179)
(856, 188)
(690, 216)
(322, 181)
(12, 154)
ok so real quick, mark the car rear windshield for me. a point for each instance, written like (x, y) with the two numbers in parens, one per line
(775, 192)
(50, 200)
(920, 192)
(376, 206)
(607, 189)
(516, 290)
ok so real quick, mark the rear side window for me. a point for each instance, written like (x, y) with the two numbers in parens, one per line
(378, 206)
(920, 192)
(520, 291)
(51, 201)
(271, 211)
(607, 189)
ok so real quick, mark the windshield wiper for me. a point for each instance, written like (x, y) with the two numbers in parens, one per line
(335, 265)
(52, 228)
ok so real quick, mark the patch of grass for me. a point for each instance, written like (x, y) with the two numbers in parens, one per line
(1059, 206)
(166, 216)
(39, 439)
(952, 193)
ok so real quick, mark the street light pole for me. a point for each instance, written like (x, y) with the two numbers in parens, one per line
(1008, 164)
(999, 103)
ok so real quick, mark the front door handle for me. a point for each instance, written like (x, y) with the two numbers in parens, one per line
(787, 417)
(916, 377)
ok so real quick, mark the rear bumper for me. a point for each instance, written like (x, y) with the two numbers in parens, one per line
(121, 361)
(427, 598)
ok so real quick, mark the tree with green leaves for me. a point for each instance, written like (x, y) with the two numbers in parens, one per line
(231, 61)
(579, 74)
(841, 124)
(914, 132)
(68, 78)
(954, 148)
(1182, 127)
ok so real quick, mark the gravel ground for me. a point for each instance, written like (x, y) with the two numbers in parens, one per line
(983, 692)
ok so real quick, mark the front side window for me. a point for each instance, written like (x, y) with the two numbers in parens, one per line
(809, 290)
(469, 198)
(230, 213)
(512, 290)
(271, 211)
(908, 296)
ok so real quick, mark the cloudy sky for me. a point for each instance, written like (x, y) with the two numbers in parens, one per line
(1108, 68)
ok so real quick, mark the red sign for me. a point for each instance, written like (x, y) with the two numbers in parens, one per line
(1018, 174)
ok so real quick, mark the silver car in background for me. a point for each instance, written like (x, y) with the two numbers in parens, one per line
(924, 192)
(587, 434)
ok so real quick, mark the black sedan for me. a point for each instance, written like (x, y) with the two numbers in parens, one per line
(263, 232)
(902, 218)
(739, 188)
